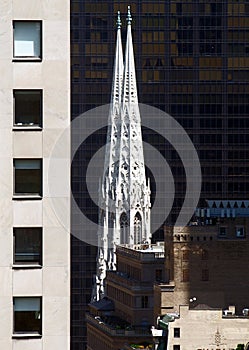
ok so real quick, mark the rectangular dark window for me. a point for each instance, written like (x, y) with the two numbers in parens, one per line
(144, 302)
(185, 275)
(176, 332)
(223, 231)
(27, 39)
(159, 275)
(28, 245)
(205, 275)
(27, 315)
(176, 347)
(204, 254)
(27, 108)
(28, 176)
(185, 255)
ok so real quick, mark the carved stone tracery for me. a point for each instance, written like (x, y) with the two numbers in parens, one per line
(124, 193)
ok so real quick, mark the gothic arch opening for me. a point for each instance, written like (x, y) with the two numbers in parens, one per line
(123, 228)
(102, 216)
(137, 228)
(111, 218)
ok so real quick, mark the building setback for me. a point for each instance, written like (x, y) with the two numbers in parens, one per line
(35, 240)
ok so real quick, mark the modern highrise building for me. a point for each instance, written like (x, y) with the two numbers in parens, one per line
(35, 197)
(192, 62)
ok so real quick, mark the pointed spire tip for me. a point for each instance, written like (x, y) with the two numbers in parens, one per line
(119, 23)
(129, 18)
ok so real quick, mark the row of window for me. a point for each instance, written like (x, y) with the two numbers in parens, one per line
(186, 275)
(186, 255)
(138, 301)
(239, 232)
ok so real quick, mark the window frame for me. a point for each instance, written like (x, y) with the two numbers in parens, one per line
(144, 302)
(177, 332)
(28, 195)
(28, 58)
(185, 255)
(204, 254)
(223, 235)
(176, 347)
(27, 263)
(27, 333)
(185, 275)
(238, 234)
(28, 125)
(205, 275)
(159, 275)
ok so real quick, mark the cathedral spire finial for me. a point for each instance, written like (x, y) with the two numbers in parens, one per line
(119, 23)
(129, 82)
(118, 66)
(129, 18)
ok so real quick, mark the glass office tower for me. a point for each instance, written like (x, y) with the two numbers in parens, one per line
(192, 61)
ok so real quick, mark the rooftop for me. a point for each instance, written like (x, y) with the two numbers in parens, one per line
(143, 251)
(115, 326)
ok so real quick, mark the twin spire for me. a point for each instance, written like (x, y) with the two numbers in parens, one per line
(124, 195)
(124, 90)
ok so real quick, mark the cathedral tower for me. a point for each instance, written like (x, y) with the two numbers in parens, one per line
(124, 195)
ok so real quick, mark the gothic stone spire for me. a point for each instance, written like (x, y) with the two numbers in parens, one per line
(132, 192)
(124, 216)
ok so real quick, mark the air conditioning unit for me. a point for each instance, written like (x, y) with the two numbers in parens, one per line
(245, 312)
(227, 313)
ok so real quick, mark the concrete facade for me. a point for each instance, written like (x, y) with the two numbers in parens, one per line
(206, 263)
(200, 329)
(50, 279)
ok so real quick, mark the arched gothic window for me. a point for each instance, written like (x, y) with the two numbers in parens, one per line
(137, 229)
(123, 229)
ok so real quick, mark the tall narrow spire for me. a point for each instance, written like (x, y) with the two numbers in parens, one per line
(130, 85)
(118, 66)
(132, 192)
(124, 196)
(113, 132)
(107, 186)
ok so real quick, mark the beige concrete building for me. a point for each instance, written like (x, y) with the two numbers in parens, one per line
(203, 328)
(205, 270)
(206, 262)
(35, 110)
